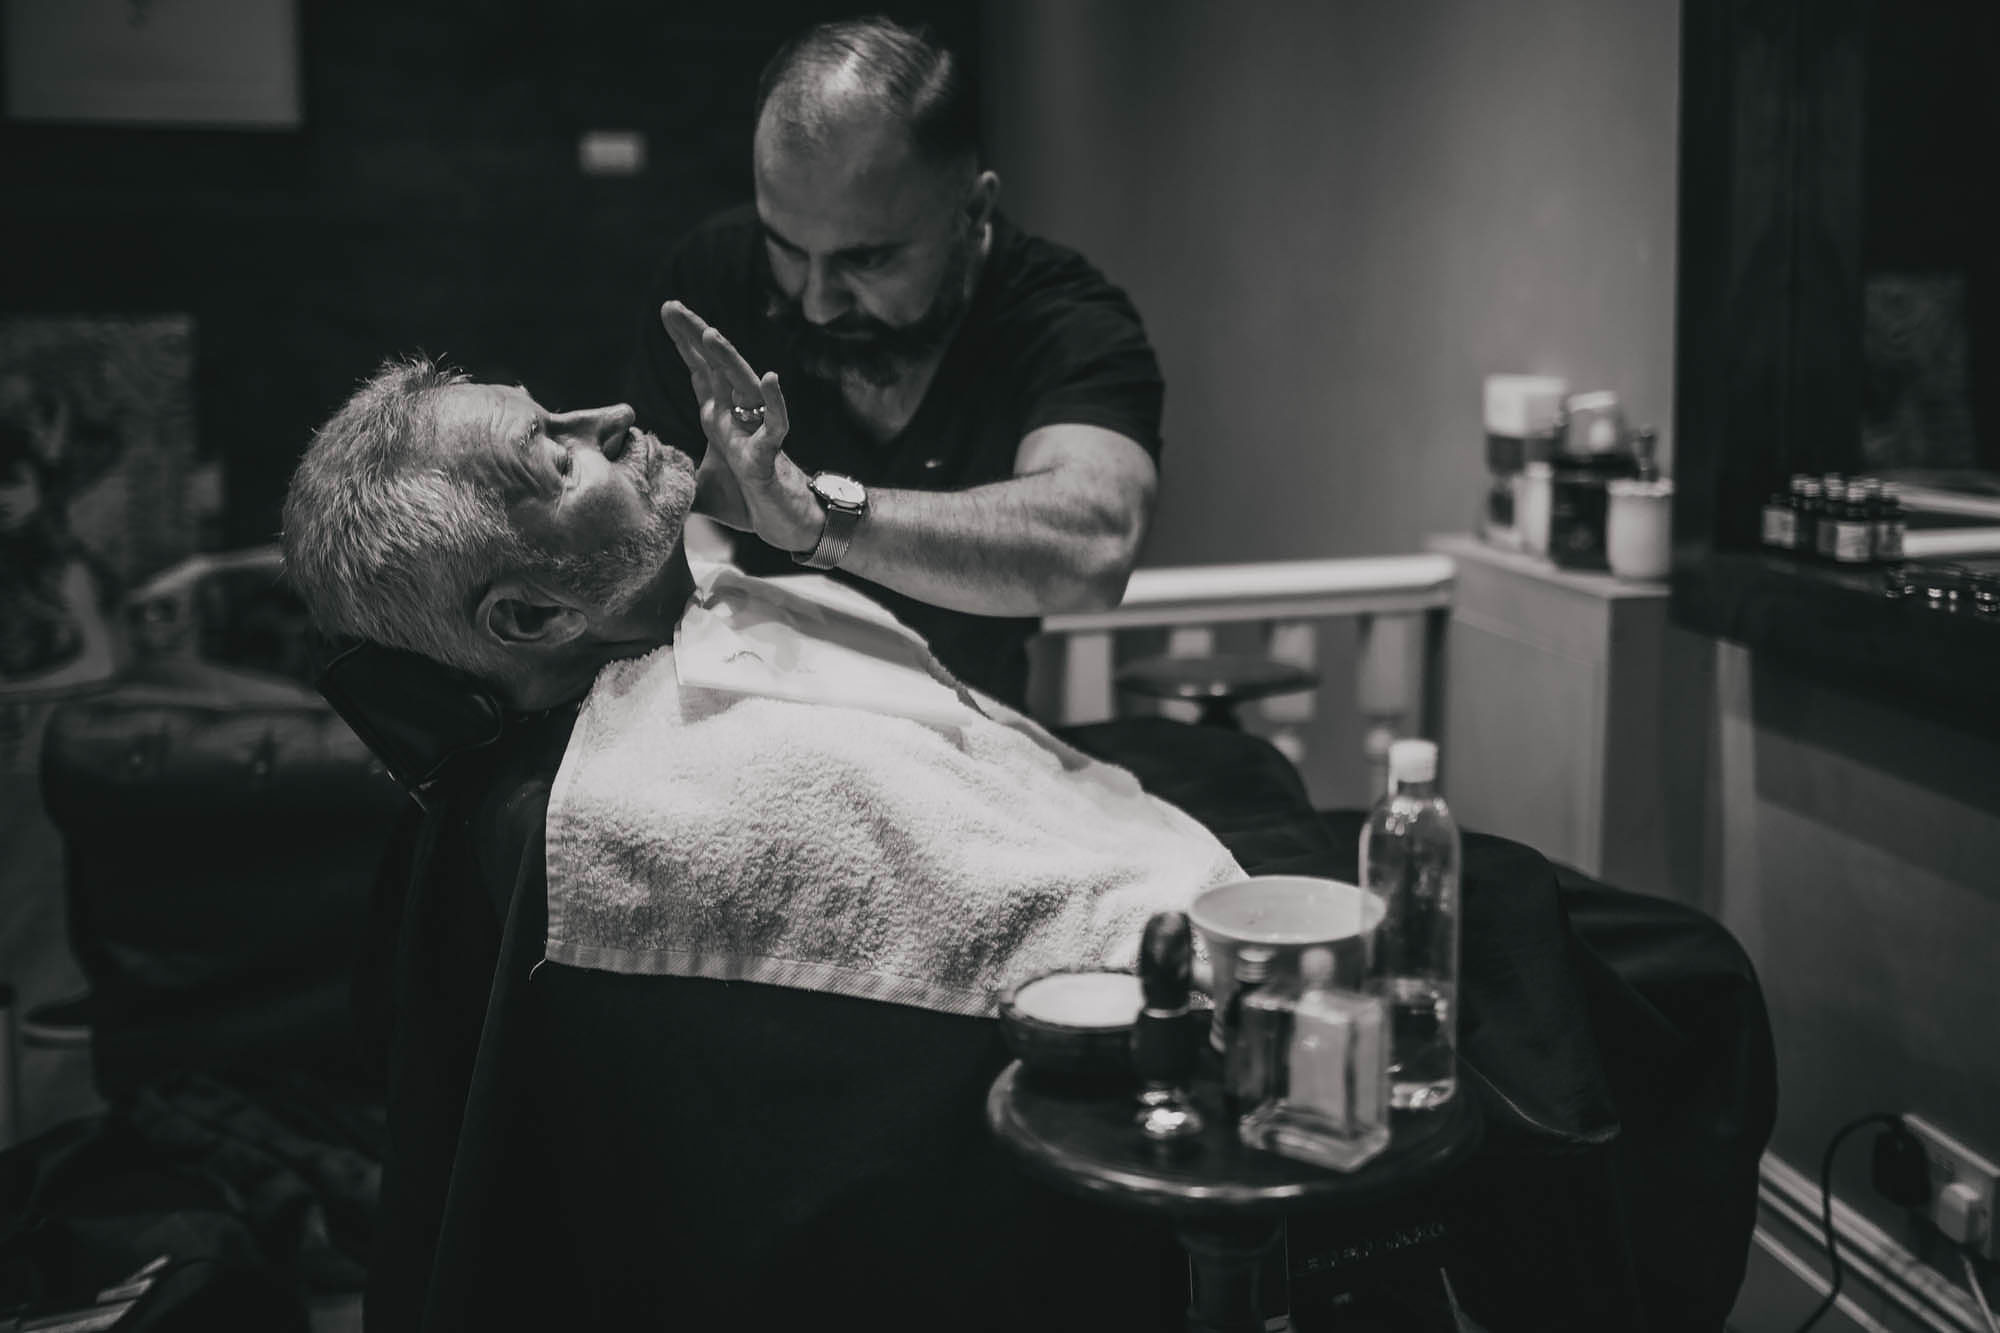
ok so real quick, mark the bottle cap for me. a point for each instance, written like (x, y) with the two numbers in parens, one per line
(1253, 962)
(1413, 761)
(1316, 966)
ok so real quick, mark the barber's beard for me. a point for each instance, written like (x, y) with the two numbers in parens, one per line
(862, 347)
(617, 576)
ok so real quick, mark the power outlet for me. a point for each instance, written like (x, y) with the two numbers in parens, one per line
(1952, 1162)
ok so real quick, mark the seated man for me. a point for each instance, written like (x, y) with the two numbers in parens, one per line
(759, 785)
(595, 1122)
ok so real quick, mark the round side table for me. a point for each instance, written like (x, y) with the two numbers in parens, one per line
(1227, 1200)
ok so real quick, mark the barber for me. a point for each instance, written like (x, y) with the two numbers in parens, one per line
(973, 412)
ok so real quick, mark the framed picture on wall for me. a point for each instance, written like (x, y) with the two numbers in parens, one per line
(101, 485)
(218, 64)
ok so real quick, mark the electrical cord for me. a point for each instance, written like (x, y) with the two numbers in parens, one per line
(1972, 1281)
(1826, 1206)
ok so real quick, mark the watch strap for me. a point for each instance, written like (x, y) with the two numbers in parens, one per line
(834, 539)
(835, 536)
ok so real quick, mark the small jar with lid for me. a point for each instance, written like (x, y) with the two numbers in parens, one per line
(1637, 527)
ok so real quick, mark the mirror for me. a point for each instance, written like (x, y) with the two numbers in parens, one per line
(1838, 312)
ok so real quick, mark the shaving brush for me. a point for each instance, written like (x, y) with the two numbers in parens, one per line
(1162, 1055)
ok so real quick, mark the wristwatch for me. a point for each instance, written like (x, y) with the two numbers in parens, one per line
(845, 501)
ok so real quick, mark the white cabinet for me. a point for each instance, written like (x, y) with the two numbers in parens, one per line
(1577, 718)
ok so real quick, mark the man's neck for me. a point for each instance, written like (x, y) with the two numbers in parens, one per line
(649, 623)
(883, 410)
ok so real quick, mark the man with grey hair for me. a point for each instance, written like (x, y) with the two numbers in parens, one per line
(471, 525)
(975, 410)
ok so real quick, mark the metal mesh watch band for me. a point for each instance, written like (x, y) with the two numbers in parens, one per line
(842, 519)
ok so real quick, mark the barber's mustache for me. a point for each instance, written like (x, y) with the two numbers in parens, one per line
(848, 328)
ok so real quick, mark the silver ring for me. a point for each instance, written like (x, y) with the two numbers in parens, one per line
(748, 416)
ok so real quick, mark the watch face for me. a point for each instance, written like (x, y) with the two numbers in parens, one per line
(840, 490)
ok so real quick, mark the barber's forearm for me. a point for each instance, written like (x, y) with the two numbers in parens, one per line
(1025, 547)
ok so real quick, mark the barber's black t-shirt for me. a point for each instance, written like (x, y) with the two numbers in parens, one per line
(1047, 340)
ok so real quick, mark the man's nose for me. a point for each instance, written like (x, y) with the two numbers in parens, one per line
(826, 297)
(612, 427)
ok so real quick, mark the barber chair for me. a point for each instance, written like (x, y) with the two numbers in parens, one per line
(583, 1148)
(220, 829)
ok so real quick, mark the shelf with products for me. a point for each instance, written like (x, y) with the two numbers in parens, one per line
(1912, 634)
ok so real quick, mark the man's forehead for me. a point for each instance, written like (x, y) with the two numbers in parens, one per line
(479, 430)
(861, 184)
(474, 416)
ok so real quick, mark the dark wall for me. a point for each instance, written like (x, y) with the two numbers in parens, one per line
(432, 200)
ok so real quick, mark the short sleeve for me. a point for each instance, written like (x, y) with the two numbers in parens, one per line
(1091, 365)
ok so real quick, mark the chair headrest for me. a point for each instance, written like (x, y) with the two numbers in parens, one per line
(415, 714)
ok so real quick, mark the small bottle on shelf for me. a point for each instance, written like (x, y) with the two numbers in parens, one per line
(1781, 522)
(1853, 528)
(1833, 495)
(1871, 512)
(1890, 526)
(1330, 1102)
(1645, 453)
(1805, 535)
(1805, 519)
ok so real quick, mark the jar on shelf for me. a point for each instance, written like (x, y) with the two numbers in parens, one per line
(1637, 528)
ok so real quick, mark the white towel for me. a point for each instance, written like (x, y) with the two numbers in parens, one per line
(738, 833)
(806, 637)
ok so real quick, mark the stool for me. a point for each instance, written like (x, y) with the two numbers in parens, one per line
(1217, 682)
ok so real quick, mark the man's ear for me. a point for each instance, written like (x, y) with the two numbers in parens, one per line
(518, 614)
(985, 196)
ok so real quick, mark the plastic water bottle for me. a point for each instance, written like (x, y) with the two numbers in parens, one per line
(1410, 860)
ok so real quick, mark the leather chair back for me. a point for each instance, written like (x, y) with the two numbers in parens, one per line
(221, 831)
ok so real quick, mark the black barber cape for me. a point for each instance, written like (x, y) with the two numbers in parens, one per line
(577, 1149)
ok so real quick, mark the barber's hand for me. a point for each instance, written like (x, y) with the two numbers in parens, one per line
(746, 480)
